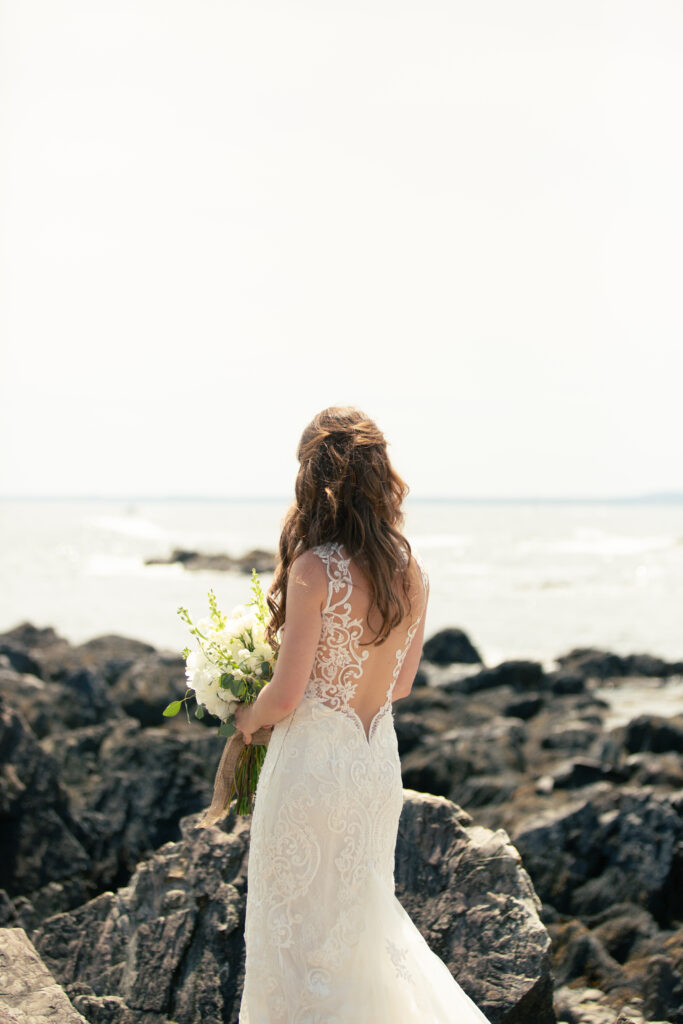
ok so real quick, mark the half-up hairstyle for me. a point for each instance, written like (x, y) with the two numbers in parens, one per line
(346, 491)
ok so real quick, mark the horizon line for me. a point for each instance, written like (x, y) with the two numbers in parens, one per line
(654, 497)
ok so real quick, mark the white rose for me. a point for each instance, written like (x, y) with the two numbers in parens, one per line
(264, 651)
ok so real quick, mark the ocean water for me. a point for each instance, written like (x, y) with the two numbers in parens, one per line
(529, 580)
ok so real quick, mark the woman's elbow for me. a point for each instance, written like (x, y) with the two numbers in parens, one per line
(287, 700)
(402, 691)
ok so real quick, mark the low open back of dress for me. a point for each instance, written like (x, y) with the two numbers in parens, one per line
(351, 674)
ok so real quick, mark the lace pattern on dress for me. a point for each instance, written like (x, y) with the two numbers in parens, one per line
(338, 664)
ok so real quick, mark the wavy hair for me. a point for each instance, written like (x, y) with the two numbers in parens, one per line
(346, 491)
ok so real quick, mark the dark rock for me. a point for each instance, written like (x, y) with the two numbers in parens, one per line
(147, 780)
(171, 941)
(426, 772)
(487, 790)
(450, 646)
(262, 561)
(41, 839)
(110, 655)
(79, 755)
(256, 558)
(77, 816)
(621, 928)
(28, 636)
(410, 730)
(582, 771)
(106, 1009)
(520, 675)
(524, 707)
(19, 660)
(425, 712)
(663, 989)
(664, 770)
(445, 867)
(611, 845)
(53, 658)
(591, 662)
(442, 763)
(655, 733)
(562, 681)
(579, 954)
(649, 665)
(145, 688)
(424, 698)
(571, 737)
(79, 699)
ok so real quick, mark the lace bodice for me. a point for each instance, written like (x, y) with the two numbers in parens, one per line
(340, 660)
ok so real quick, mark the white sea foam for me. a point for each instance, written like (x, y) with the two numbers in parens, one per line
(522, 581)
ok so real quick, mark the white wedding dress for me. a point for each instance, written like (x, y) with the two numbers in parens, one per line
(327, 941)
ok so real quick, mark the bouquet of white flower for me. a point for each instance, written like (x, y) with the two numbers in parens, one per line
(231, 662)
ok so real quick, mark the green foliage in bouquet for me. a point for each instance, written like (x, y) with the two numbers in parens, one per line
(231, 663)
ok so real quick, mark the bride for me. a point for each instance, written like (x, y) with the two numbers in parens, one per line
(327, 941)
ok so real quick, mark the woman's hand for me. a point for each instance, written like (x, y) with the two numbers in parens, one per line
(246, 721)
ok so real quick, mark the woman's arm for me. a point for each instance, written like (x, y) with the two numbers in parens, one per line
(306, 596)
(406, 676)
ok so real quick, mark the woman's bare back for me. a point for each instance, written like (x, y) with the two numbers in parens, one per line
(348, 663)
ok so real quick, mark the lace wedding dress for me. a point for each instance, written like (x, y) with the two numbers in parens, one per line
(327, 941)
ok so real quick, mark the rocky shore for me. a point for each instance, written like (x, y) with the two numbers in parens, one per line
(540, 852)
(262, 561)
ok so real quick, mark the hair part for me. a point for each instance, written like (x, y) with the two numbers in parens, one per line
(347, 491)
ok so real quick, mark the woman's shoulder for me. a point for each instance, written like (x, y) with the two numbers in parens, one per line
(309, 562)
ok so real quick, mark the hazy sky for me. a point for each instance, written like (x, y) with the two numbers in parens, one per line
(219, 217)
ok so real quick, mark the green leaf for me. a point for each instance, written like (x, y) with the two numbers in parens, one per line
(228, 682)
(199, 711)
(172, 709)
(226, 729)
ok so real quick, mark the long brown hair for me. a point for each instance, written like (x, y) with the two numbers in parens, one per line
(347, 491)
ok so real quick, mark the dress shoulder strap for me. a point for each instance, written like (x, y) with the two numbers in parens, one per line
(338, 576)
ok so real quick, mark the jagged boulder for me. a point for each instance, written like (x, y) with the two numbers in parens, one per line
(46, 654)
(42, 841)
(443, 763)
(149, 683)
(594, 663)
(169, 945)
(28, 992)
(468, 892)
(613, 844)
(79, 810)
(450, 646)
(79, 698)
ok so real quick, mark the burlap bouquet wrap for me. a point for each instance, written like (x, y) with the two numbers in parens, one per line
(224, 783)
